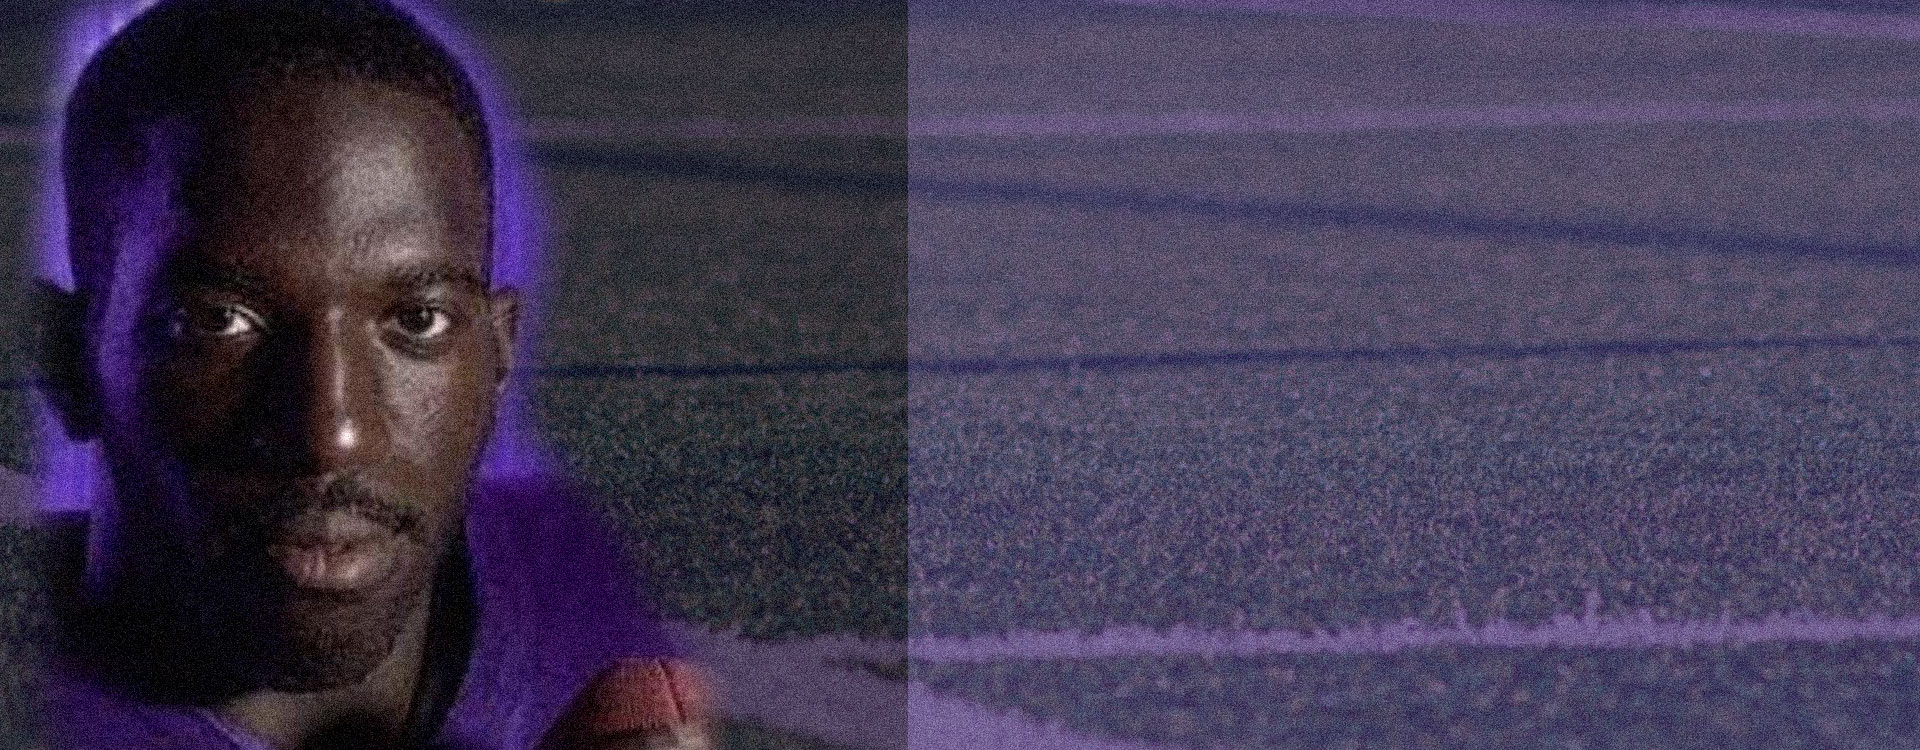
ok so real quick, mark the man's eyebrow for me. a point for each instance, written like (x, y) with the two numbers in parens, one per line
(217, 277)
(416, 278)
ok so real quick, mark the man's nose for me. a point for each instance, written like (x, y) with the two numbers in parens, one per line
(337, 422)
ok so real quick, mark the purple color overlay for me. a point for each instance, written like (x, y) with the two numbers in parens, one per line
(949, 723)
(1565, 631)
(938, 722)
(1698, 16)
(1572, 114)
(805, 686)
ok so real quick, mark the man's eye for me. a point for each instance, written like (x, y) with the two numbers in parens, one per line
(423, 322)
(212, 321)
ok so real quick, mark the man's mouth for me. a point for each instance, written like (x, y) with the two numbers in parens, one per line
(335, 552)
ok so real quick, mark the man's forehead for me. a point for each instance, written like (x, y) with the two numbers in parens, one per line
(307, 251)
(357, 178)
(371, 148)
(275, 241)
(398, 275)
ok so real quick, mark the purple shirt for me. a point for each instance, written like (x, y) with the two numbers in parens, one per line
(557, 604)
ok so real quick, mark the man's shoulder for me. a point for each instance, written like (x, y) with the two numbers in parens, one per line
(544, 523)
(545, 539)
(558, 603)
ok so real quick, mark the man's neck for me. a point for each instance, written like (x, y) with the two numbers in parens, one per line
(368, 714)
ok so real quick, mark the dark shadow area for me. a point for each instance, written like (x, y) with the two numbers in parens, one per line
(571, 372)
(488, 14)
(717, 167)
(523, 14)
(1123, 362)
(1308, 215)
(1286, 214)
(1172, 360)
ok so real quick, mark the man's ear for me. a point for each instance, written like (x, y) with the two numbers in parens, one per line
(61, 337)
(505, 317)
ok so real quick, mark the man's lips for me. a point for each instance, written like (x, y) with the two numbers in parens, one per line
(330, 528)
(335, 552)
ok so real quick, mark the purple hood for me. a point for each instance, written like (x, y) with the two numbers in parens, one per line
(557, 603)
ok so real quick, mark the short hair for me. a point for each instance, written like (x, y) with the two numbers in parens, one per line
(184, 53)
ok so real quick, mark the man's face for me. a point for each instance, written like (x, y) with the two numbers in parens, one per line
(298, 364)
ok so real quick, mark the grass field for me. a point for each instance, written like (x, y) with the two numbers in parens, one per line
(1231, 323)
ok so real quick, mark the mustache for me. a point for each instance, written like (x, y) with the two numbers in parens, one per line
(344, 494)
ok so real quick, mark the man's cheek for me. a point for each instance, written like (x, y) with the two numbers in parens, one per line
(190, 421)
(197, 400)
(442, 414)
(424, 433)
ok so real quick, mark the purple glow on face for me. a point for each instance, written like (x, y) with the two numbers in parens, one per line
(518, 260)
(72, 474)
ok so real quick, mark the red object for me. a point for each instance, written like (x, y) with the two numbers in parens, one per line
(634, 698)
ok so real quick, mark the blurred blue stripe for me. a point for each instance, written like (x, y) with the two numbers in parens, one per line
(1300, 214)
(1123, 362)
(1291, 214)
(569, 372)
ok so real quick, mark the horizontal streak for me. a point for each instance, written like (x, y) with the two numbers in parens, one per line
(939, 722)
(1700, 17)
(792, 686)
(1565, 631)
(1125, 362)
(1119, 362)
(1568, 114)
(583, 132)
(626, 130)
(1436, 222)
(573, 372)
(23, 132)
(889, 183)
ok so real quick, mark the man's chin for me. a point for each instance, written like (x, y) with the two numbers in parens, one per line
(316, 659)
(321, 642)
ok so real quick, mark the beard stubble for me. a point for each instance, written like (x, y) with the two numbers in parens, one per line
(288, 640)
